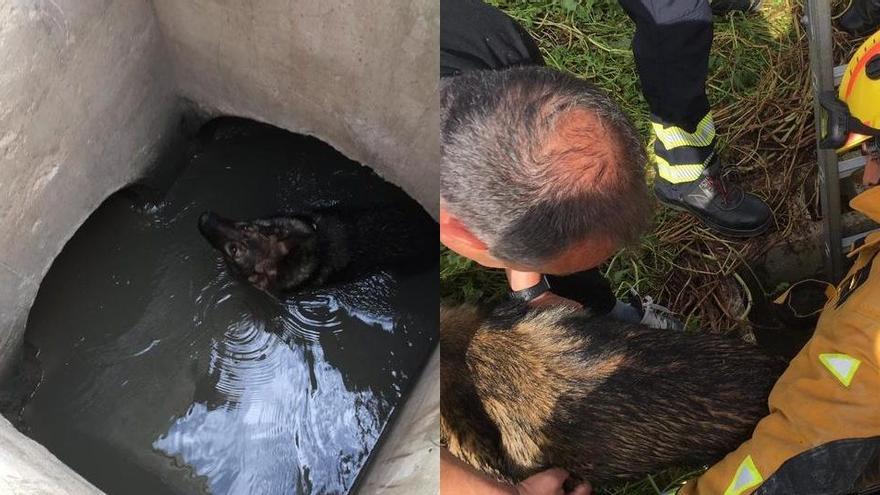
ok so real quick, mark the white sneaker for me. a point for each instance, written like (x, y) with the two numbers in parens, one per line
(657, 316)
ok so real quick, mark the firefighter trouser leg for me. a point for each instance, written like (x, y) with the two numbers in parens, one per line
(671, 48)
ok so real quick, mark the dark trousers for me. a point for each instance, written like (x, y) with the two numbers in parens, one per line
(671, 48)
(588, 288)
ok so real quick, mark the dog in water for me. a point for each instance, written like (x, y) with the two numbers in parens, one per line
(526, 389)
(284, 253)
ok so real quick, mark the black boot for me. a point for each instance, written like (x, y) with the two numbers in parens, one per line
(722, 206)
(861, 18)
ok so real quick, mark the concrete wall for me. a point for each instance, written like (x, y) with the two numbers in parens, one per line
(408, 461)
(360, 75)
(91, 90)
(27, 468)
(86, 103)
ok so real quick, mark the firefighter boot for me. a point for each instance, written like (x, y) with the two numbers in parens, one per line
(721, 205)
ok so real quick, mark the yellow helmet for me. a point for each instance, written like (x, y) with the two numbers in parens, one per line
(860, 91)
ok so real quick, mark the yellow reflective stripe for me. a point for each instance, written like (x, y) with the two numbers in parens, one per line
(673, 137)
(747, 476)
(677, 174)
(842, 366)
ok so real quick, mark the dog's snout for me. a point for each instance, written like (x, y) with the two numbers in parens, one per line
(205, 220)
(215, 229)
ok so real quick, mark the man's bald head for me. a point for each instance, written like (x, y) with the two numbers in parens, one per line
(535, 161)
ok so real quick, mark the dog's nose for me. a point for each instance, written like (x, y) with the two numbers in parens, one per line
(206, 219)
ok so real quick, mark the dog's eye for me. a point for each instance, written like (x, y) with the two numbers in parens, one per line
(232, 249)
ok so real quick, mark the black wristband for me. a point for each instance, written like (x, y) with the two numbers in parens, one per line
(533, 292)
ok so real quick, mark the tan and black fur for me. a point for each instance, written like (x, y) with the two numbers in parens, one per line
(285, 253)
(281, 253)
(523, 390)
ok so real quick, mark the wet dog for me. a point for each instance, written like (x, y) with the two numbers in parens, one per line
(281, 254)
(525, 389)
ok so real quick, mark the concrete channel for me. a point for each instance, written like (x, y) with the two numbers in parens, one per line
(92, 92)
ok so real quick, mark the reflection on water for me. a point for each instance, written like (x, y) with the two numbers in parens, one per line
(281, 399)
(164, 375)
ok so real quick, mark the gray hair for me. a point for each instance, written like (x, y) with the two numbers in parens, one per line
(501, 179)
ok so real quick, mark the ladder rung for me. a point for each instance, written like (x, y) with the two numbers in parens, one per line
(847, 242)
(849, 166)
(838, 74)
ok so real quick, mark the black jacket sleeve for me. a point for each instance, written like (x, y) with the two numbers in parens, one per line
(474, 36)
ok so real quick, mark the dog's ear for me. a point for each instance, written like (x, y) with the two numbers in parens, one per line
(283, 247)
(294, 242)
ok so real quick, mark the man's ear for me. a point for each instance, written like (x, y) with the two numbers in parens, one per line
(452, 231)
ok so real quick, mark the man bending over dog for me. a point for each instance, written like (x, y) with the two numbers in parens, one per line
(542, 174)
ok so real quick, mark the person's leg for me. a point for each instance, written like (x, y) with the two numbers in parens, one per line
(861, 18)
(589, 288)
(671, 48)
(593, 291)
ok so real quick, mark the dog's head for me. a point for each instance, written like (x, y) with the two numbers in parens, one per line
(271, 254)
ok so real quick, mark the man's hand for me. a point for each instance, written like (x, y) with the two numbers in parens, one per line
(549, 482)
(457, 478)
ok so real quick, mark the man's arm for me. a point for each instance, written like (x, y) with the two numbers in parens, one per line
(457, 477)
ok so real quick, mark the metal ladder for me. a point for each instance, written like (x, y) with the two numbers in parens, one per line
(826, 76)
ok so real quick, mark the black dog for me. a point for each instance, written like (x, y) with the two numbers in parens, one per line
(523, 390)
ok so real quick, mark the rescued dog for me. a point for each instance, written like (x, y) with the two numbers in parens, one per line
(280, 254)
(525, 389)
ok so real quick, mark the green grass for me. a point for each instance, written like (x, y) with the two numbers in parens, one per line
(759, 91)
(462, 280)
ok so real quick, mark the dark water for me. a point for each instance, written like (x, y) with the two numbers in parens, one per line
(162, 374)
